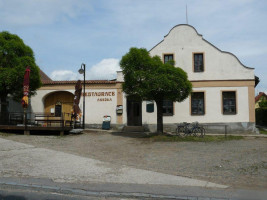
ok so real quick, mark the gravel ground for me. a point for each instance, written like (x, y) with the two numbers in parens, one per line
(238, 163)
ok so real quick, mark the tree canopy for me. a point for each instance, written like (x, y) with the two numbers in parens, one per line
(148, 78)
(14, 57)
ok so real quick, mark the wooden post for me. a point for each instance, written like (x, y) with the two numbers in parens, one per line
(26, 131)
(62, 125)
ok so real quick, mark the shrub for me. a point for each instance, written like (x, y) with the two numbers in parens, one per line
(261, 116)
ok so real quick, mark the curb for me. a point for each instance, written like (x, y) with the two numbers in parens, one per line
(147, 133)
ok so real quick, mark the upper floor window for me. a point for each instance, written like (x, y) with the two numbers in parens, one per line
(198, 62)
(167, 107)
(197, 103)
(168, 58)
(229, 102)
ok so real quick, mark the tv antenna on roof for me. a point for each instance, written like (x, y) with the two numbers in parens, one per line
(186, 13)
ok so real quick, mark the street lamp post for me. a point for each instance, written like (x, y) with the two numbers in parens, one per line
(82, 71)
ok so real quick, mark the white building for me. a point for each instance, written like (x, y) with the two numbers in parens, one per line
(223, 90)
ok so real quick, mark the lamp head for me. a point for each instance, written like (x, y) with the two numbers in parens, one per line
(81, 71)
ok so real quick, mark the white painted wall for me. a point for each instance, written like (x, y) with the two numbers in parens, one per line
(120, 77)
(183, 40)
(213, 106)
(95, 110)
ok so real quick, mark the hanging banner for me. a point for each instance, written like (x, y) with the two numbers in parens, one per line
(26, 86)
(77, 96)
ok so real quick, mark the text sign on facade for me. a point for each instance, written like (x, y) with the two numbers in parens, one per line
(102, 96)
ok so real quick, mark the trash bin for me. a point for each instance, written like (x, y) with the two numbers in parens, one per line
(106, 122)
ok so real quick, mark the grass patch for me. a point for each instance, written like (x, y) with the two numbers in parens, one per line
(207, 138)
(263, 131)
(4, 134)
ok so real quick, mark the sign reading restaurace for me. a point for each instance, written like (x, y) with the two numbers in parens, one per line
(107, 95)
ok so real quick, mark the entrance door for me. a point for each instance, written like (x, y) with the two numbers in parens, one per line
(134, 113)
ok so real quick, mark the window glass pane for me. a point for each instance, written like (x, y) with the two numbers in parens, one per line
(198, 62)
(58, 110)
(197, 103)
(167, 107)
(229, 103)
(168, 57)
(149, 106)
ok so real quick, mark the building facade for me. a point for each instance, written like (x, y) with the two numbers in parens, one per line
(223, 90)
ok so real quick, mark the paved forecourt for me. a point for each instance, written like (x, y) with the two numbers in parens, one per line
(23, 160)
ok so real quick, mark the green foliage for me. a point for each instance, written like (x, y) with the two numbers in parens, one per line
(261, 116)
(147, 78)
(263, 104)
(14, 57)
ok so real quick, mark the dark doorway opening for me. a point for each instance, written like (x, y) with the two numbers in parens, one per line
(134, 113)
(58, 110)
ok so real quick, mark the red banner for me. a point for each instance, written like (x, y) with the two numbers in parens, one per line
(26, 82)
(77, 96)
(26, 86)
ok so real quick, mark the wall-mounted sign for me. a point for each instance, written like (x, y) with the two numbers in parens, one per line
(99, 94)
(104, 99)
(119, 109)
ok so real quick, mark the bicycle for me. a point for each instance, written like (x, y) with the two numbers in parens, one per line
(194, 129)
(181, 128)
(198, 130)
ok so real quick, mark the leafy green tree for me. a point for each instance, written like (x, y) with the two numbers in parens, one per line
(14, 57)
(147, 78)
(263, 104)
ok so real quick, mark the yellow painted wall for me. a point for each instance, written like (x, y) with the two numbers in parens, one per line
(66, 100)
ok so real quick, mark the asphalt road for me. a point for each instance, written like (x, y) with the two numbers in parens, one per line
(45, 189)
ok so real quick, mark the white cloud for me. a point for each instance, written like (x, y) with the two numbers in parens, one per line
(104, 70)
(36, 12)
(64, 75)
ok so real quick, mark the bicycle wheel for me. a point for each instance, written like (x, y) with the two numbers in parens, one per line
(197, 132)
(186, 132)
(179, 130)
(203, 131)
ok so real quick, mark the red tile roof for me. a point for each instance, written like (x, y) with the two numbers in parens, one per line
(75, 81)
(44, 77)
(257, 98)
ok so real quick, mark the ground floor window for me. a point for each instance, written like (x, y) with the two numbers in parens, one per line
(197, 103)
(167, 108)
(229, 102)
(150, 106)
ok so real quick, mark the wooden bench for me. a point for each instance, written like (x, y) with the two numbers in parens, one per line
(48, 120)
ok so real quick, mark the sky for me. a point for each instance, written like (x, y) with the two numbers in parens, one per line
(66, 33)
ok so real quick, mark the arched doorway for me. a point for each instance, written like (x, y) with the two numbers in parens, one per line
(57, 103)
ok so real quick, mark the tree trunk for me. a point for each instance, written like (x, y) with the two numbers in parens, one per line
(4, 111)
(159, 116)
